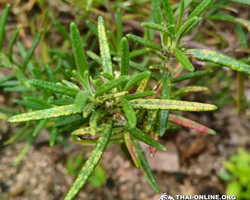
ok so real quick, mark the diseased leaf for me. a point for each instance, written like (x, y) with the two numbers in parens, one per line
(95, 118)
(188, 89)
(131, 148)
(45, 114)
(219, 59)
(137, 133)
(88, 109)
(152, 116)
(139, 95)
(110, 85)
(129, 111)
(143, 41)
(104, 48)
(183, 60)
(162, 104)
(54, 87)
(143, 85)
(91, 163)
(190, 124)
(136, 79)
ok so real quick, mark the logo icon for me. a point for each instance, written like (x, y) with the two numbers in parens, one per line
(165, 196)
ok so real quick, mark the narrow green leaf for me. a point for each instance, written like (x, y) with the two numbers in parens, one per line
(104, 48)
(168, 13)
(54, 133)
(30, 104)
(12, 41)
(194, 24)
(244, 22)
(246, 2)
(137, 133)
(88, 109)
(222, 17)
(162, 104)
(131, 148)
(183, 60)
(91, 163)
(45, 114)
(81, 100)
(63, 121)
(138, 52)
(157, 11)
(54, 87)
(6, 78)
(200, 9)
(110, 85)
(143, 41)
(94, 57)
(107, 76)
(145, 167)
(39, 127)
(124, 57)
(163, 114)
(129, 111)
(139, 95)
(96, 117)
(86, 131)
(219, 59)
(186, 25)
(191, 75)
(32, 49)
(180, 17)
(78, 49)
(158, 27)
(241, 36)
(3, 21)
(187, 90)
(136, 79)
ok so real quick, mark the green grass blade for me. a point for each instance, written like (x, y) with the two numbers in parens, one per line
(180, 17)
(168, 13)
(54, 87)
(45, 114)
(91, 163)
(129, 111)
(138, 134)
(104, 48)
(220, 59)
(143, 41)
(158, 28)
(191, 75)
(162, 104)
(12, 41)
(32, 49)
(3, 21)
(107, 87)
(157, 11)
(145, 167)
(78, 49)
(136, 79)
(200, 9)
(183, 60)
(93, 28)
